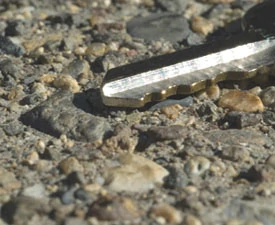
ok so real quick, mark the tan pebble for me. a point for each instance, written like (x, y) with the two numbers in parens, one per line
(66, 82)
(148, 3)
(168, 212)
(43, 165)
(135, 174)
(73, 8)
(201, 25)
(96, 49)
(70, 164)
(47, 78)
(172, 111)
(191, 220)
(196, 165)
(111, 208)
(32, 158)
(217, 167)
(271, 161)
(241, 101)
(16, 92)
(93, 188)
(212, 92)
(190, 189)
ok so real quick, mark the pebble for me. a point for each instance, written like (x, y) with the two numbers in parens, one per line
(171, 112)
(66, 82)
(76, 68)
(96, 49)
(177, 179)
(162, 133)
(70, 165)
(8, 180)
(212, 92)
(269, 117)
(271, 161)
(197, 165)
(59, 115)
(134, 174)
(207, 108)
(191, 220)
(243, 101)
(185, 102)
(240, 120)
(32, 158)
(201, 25)
(8, 47)
(168, 212)
(154, 27)
(268, 96)
(237, 153)
(113, 208)
(35, 191)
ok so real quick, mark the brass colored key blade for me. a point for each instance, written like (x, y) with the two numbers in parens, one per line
(187, 71)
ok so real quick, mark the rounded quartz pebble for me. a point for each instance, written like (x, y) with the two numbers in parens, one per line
(196, 165)
(168, 212)
(241, 101)
(191, 220)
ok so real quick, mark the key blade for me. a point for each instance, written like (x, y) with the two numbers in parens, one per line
(187, 71)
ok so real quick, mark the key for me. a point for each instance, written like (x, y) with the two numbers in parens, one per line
(192, 69)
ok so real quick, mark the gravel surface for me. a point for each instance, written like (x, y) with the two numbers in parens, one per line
(205, 159)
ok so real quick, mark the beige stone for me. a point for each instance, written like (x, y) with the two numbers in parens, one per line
(66, 82)
(241, 101)
(134, 174)
(201, 25)
(168, 212)
(70, 164)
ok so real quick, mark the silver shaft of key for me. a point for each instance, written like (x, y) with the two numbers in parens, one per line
(193, 69)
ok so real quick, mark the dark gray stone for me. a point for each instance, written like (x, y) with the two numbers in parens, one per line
(269, 117)
(77, 67)
(241, 119)
(177, 179)
(68, 197)
(207, 108)
(169, 26)
(8, 47)
(183, 102)
(58, 115)
(163, 133)
(15, 28)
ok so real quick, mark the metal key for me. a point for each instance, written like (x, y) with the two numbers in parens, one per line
(192, 69)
